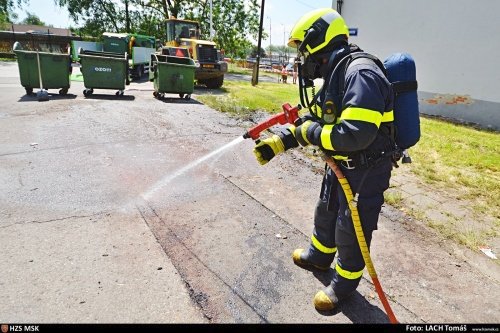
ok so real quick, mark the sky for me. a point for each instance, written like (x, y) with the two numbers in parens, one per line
(279, 15)
(48, 12)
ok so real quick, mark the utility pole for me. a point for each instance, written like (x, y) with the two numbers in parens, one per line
(283, 39)
(270, 52)
(127, 17)
(339, 5)
(211, 24)
(285, 49)
(255, 75)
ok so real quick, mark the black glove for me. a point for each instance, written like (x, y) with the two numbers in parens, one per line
(309, 132)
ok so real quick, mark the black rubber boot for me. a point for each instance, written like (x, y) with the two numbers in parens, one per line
(325, 300)
(300, 258)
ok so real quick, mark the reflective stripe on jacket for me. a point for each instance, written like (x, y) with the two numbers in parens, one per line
(367, 103)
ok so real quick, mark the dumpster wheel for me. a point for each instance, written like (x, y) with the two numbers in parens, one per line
(29, 91)
(63, 91)
(88, 92)
(187, 97)
(119, 93)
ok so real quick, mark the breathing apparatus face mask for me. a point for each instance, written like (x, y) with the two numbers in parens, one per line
(310, 68)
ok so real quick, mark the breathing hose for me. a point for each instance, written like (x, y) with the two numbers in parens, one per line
(365, 252)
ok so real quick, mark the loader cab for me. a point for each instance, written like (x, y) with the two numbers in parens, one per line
(177, 29)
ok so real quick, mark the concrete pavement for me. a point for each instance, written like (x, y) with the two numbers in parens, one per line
(68, 254)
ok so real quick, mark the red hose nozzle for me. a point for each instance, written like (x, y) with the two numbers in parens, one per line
(289, 115)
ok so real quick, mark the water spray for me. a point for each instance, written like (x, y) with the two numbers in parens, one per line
(168, 178)
(289, 115)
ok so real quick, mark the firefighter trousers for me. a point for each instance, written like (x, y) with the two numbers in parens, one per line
(333, 227)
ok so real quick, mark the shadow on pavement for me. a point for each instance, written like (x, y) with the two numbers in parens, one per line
(111, 97)
(360, 311)
(33, 97)
(325, 277)
(356, 307)
(178, 100)
(144, 78)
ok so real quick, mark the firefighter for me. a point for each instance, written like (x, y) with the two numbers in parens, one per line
(351, 120)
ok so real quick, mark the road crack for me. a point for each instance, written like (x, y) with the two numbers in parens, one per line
(53, 220)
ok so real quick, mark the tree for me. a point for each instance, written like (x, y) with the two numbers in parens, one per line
(253, 53)
(233, 20)
(6, 9)
(4, 21)
(97, 16)
(164, 8)
(32, 19)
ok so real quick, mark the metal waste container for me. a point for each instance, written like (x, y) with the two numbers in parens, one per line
(45, 70)
(172, 74)
(103, 70)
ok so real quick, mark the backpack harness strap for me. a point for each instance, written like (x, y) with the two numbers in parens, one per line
(359, 159)
(404, 86)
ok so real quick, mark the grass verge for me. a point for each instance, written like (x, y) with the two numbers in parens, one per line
(461, 161)
(242, 98)
(233, 69)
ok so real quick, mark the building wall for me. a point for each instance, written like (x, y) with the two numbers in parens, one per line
(33, 42)
(455, 44)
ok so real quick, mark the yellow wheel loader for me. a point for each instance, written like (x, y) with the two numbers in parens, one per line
(210, 64)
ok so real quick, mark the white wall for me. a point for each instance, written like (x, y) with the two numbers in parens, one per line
(455, 43)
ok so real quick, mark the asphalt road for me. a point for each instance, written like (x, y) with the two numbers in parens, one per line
(111, 212)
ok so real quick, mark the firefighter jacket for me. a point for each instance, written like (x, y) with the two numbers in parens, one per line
(362, 99)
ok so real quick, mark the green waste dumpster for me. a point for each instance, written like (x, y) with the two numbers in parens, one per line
(55, 69)
(172, 75)
(103, 70)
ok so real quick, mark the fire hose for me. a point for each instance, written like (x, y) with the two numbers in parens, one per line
(356, 221)
(290, 115)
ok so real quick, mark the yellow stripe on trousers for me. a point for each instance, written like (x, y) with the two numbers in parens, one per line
(321, 247)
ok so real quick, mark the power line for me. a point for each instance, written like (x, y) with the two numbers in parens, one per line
(305, 4)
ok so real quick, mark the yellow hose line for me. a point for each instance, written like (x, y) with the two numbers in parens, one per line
(365, 252)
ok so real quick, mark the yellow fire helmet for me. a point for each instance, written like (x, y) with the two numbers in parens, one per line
(318, 29)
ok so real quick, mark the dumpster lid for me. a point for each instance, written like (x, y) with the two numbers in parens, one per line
(102, 54)
(114, 34)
